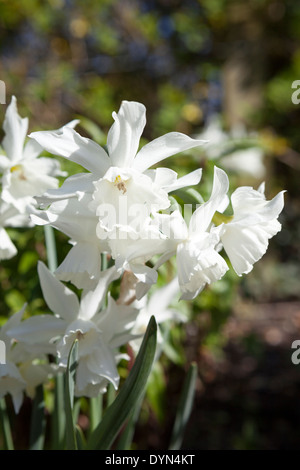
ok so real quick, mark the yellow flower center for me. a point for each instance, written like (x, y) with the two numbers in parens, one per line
(120, 184)
(18, 168)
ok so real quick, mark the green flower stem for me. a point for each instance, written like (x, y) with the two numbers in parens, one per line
(50, 247)
(58, 418)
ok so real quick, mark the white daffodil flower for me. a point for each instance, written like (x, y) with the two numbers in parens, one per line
(98, 334)
(197, 257)
(245, 237)
(24, 175)
(196, 245)
(120, 170)
(120, 191)
(22, 371)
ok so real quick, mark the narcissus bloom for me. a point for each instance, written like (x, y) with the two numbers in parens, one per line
(24, 175)
(196, 246)
(245, 237)
(99, 333)
(22, 372)
(120, 191)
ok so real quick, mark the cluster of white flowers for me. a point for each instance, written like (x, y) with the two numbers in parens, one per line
(24, 176)
(120, 210)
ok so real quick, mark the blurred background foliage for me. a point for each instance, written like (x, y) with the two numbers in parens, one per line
(187, 61)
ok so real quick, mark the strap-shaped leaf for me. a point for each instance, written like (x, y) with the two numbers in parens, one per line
(71, 442)
(105, 433)
(38, 421)
(4, 419)
(184, 408)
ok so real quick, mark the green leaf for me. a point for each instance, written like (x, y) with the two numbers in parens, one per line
(38, 421)
(126, 437)
(71, 441)
(156, 391)
(8, 442)
(80, 439)
(184, 408)
(59, 417)
(96, 406)
(190, 196)
(115, 416)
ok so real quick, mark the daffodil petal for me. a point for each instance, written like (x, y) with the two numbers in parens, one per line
(61, 300)
(69, 144)
(163, 147)
(15, 129)
(124, 135)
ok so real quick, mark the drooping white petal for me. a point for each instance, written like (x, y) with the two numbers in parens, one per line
(246, 237)
(38, 329)
(124, 135)
(69, 144)
(91, 299)
(61, 300)
(87, 383)
(81, 266)
(245, 245)
(198, 264)
(15, 129)
(163, 147)
(7, 248)
(73, 186)
(13, 383)
(102, 363)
